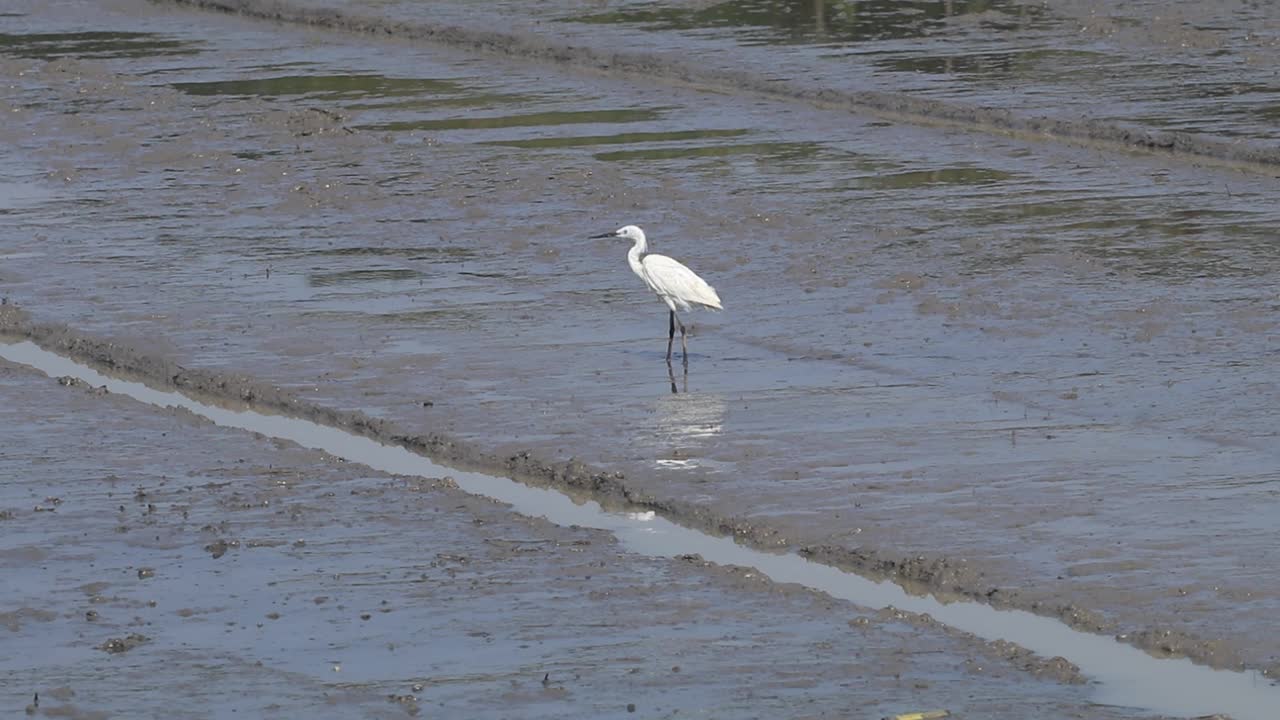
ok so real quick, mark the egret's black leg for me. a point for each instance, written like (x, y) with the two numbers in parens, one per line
(671, 335)
(684, 347)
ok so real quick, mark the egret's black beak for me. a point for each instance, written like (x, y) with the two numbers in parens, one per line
(604, 235)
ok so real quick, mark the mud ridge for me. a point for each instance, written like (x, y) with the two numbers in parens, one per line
(941, 576)
(902, 107)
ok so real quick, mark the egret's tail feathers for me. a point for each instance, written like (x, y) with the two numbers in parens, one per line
(698, 292)
(712, 300)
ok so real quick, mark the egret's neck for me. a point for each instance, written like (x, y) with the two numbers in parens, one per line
(636, 252)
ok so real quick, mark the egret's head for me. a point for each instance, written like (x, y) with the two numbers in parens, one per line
(627, 232)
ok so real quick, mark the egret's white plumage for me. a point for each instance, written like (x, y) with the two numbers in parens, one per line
(676, 285)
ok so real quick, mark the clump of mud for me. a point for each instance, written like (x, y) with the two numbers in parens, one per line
(218, 548)
(1164, 643)
(124, 644)
(308, 121)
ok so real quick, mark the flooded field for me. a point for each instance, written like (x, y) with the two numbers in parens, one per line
(979, 362)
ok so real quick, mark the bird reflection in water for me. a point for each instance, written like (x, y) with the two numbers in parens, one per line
(685, 421)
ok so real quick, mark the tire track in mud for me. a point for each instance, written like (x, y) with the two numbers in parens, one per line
(920, 574)
(901, 107)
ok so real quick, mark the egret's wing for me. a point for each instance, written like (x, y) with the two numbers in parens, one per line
(670, 279)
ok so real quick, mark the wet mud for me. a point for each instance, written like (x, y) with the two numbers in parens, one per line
(344, 590)
(1124, 676)
(1035, 374)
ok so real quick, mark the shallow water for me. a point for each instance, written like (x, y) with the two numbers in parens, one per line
(1056, 363)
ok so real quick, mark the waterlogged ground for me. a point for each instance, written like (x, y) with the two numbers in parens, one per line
(1055, 363)
(161, 564)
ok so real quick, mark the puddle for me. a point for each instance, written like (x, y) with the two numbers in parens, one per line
(1125, 676)
(446, 318)
(383, 278)
(329, 87)
(435, 254)
(47, 46)
(942, 176)
(1046, 63)
(471, 99)
(561, 117)
(618, 139)
(782, 151)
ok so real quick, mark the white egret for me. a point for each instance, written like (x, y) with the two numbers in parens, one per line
(673, 283)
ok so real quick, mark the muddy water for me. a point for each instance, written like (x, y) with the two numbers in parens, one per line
(1053, 363)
